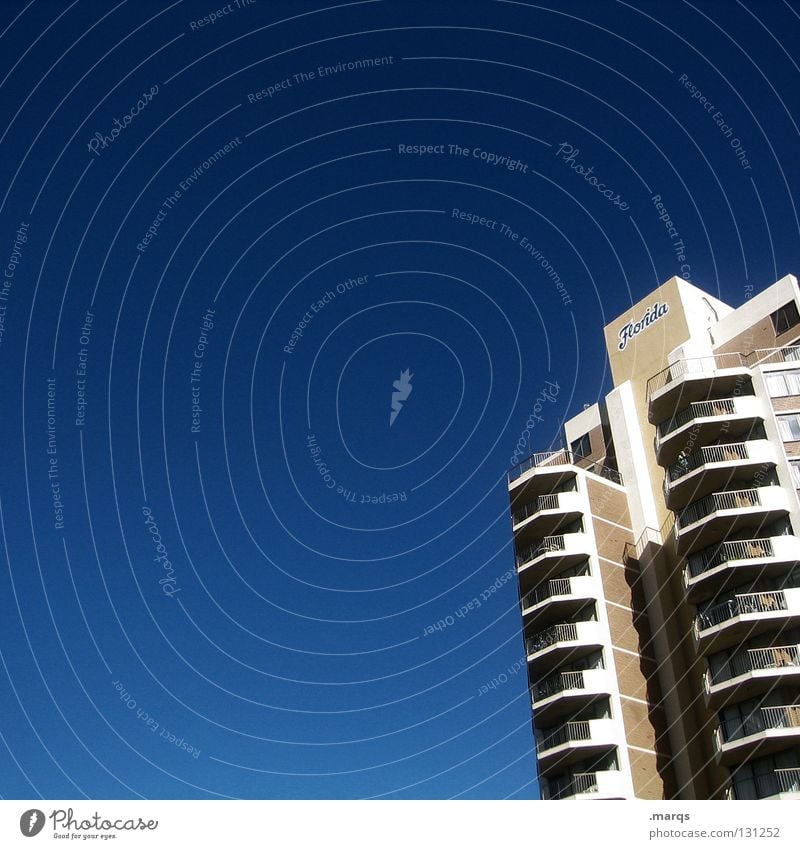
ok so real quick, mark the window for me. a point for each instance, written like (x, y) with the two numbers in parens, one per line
(758, 778)
(784, 318)
(783, 383)
(582, 447)
(794, 465)
(789, 427)
(792, 351)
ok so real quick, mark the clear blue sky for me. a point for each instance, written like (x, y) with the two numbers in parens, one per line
(283, 644)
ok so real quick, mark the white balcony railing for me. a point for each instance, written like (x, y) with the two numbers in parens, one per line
(732, 452)
(576, 682)
(569, 732)
(697, 410)
(574, 543)
(563, 457)
(747, 603)
(764, 719)
(562, 501)
(694, 367)
(772, 659)
(562, 633)
(725, 552)
(580, 586)
(739, 499)
(788, 780)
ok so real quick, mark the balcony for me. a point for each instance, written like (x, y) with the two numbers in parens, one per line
(558, 551)
(705, 421)
(721, 514)
(774, 356)
(765, 731)
(708, 570)
(560, 598)
(751, 673)
(566, 692)
(744, 616)
(545, 514)
(606, 784)
(558, 644)
(778, 784)
(713, 468)
(552, 467)
(694, 379)
(575, 741)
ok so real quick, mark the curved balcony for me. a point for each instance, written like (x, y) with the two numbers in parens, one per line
(714, 467)
(765, 731)
(603, 784)
(694, 379)
(776, 784)
(551, 467)
(702, 422)
(552, 553)
(559, 598)
(751, 673)
(745, 615)
(545, 514)
(566, 692)
(576, 740)
(544, 463)
(721, 514)
(774, 356)
(556, 645)
(708, 570)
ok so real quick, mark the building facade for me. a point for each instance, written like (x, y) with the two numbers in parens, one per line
(658, 558)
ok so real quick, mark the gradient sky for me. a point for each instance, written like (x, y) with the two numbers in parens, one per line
(284, 644)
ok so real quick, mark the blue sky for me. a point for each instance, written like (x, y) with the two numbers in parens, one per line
(222, 565)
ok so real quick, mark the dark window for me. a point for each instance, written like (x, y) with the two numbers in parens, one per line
(582, 446)
(784, 318)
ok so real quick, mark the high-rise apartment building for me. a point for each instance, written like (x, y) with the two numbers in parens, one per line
(658, 557)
